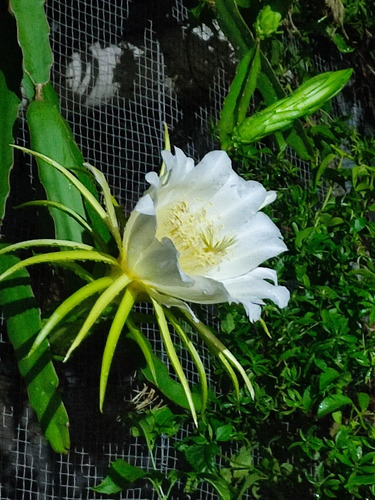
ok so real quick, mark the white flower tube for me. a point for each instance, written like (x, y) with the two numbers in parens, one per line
(198, 235)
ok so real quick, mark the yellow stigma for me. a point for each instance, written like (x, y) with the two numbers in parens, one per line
(194, 235)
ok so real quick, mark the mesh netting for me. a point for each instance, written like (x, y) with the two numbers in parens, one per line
(122, 68)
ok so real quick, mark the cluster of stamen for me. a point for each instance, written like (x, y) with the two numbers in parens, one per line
(194, 236)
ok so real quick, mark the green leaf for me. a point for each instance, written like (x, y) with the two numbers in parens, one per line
(224, 432)
(327, 160)
(76, 177)
(194, 355)
(69, 304)
(33, 37)
(51, 136)
(332, 403)
(341, 44)
(172, 354)
(127, 471)
(298, 143)
(220, 485)
(23, 324)
(360, 480)
(363, 400)
(109, 294)
(327, 377)
(202, 457)
(110, 486)
(358, 224)
(122, 313)
(120, 476)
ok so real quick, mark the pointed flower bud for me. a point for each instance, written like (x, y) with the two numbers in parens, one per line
(305, 100)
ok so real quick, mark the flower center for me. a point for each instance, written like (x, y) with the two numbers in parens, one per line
(197, 238)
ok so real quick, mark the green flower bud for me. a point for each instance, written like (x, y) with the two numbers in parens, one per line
(267, 22)
(305, 100)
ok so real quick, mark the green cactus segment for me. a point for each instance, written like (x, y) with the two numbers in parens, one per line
(51, 135)
(305, 100)
(233, 25)
(10, 81)
(9, 103)
(33, 37)
(237, 102)
(23, 324)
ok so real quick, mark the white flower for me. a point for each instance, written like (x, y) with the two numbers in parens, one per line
(198, 235)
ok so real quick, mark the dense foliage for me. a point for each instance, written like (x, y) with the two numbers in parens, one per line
(309, 433)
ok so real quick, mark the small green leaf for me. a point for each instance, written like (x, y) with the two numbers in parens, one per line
(332, 403)
(360, 480)
(169, 387)
(224, 432)
(120, 476)
(267, 22)
(358, 224)
(327, 377)
(363, 400)
(220, 485)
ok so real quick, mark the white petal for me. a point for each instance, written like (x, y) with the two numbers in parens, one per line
(153, 179)
(145, 205)
(251, 289)
(258, 241)
(157, 265)
(138, 235)
(200, 291)
(236, 204)
(196, 185)
(178, 165)
(271, 197)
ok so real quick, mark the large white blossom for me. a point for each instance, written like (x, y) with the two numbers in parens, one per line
(198, 235)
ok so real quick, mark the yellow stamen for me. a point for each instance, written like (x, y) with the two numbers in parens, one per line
(194, 235)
